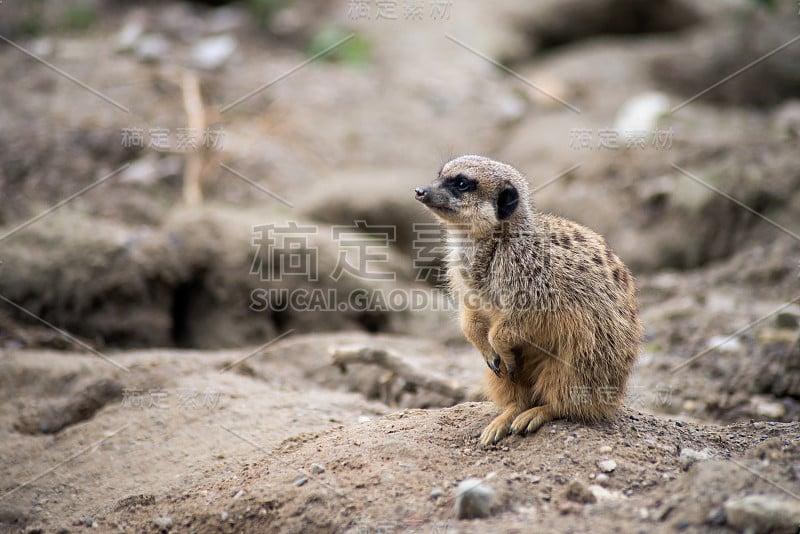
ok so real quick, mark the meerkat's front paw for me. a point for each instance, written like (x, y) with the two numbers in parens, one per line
(498, 428)
(530, 420)
(494, 433)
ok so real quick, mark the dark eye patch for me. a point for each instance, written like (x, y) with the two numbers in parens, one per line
(460, 184)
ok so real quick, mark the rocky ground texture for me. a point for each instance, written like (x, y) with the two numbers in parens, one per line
(142, 389)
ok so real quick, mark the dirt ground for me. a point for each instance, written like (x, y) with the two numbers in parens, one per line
(143, 388)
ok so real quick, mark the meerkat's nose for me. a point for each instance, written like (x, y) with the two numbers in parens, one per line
(420, 193)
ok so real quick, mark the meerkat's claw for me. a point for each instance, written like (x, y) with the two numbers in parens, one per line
(494, 369)
(530, 420)
(498, 428)
(495, 366)
(493, 433)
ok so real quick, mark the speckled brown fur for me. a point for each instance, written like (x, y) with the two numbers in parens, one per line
(548, 304)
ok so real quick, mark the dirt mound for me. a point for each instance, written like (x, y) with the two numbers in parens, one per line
(401, 472)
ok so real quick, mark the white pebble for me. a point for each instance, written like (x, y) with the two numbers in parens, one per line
(606, 466)
(474, 499)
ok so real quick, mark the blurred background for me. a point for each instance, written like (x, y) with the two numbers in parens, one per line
(141, 146)
(145, 148)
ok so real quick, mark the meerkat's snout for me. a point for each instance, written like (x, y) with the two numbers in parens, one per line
(420, 193)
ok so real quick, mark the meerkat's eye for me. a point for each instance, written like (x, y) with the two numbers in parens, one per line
(460, 184)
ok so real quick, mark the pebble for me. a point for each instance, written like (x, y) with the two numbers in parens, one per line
(763, 513)
(577, 492)
(771, 410)
(213, 52)
(43, 46)
(641, 112)
(786, 320)
(223, 516)
(724, 344)
(300, 481)
(152, 47)
(363, 419)
(129, 34)
(602, 494)
(474, 499)
(163, 522)
(317, 469)
(690, 456)
(605, 449)
(436, 493)
(606, 466)
(601, 478)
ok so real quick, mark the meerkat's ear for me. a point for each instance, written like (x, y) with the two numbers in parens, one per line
(507, 202)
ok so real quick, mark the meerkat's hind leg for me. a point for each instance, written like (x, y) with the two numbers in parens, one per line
(499, 427)
(530, 420)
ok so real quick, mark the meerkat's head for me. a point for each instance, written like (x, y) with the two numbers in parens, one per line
(476, 191)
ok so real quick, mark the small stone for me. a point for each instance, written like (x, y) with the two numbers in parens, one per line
(317, 469)
(300, 481)
(607, 466)
(474, 499)
(641, 113)
(763, 513)
(163, 522)
(601, 478)
(239, 494)
(535, 479)
(602, 494)
(363, 419)
(152, 47)
(605, 449)
(725, 344)
(771, 410)
(223, 516)
(213, 52)
(786, 320)
(577, 492)
(129, 34)
(690, 456)
(42, 47)
(716, 517)
(436, 493)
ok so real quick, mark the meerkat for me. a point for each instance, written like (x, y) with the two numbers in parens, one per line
(548, 304)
